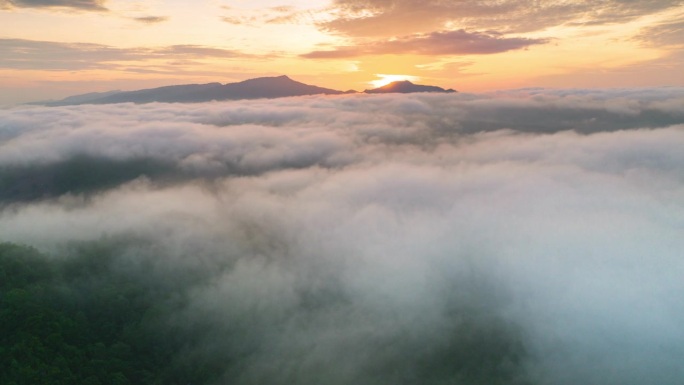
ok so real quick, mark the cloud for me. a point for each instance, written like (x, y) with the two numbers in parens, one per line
(232, 20)
(198, 51)
(458, 42)
(526, 237)
(359, 18)
(666, 34)
(30, 54)
(271, 15)
(82, 5)
(46, 55)
(151, 19)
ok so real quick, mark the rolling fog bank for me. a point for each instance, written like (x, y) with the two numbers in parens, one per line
(522, 237)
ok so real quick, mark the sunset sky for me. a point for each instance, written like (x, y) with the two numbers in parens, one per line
(56, 48)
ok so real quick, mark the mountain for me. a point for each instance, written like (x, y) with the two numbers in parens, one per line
(80, 99)
(259, 88)
(405, 87)
(266, 87)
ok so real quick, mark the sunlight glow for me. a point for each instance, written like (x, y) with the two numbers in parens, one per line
(387, 79)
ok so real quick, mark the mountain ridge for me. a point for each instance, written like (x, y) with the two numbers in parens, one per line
(256, 88)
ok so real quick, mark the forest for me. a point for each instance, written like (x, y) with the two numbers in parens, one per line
(78, 320)
(89, 316)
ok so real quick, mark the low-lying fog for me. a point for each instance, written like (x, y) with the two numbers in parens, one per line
(527, 237)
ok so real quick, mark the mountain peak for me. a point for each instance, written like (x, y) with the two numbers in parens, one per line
(405, 87)
(258, 88)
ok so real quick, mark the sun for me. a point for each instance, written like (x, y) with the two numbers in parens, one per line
(387, 79)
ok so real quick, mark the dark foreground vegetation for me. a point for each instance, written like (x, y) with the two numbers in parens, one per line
(80, 320)
(96, 313)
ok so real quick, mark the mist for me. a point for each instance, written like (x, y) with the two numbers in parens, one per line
(519, 237)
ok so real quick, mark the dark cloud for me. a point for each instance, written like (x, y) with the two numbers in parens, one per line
(399, 17)
(521, 237)
(84, 5)
(151, 19)
(31, 54)
(458, 42)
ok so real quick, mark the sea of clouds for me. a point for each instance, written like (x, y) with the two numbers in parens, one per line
(520, 237)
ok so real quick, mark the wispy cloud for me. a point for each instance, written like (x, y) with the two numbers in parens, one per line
(270, 15)
(393, 18)
(459, 42)
(670, 33)
(83, 5)
(31, 54)
(151, 19)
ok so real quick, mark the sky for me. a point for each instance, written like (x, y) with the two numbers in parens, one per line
(56, 48)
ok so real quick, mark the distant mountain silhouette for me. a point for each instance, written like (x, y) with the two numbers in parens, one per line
(80, 99)
(266, 87)
(405, 87)
(259, 88)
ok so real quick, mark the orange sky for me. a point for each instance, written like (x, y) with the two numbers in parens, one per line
(55, 48)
